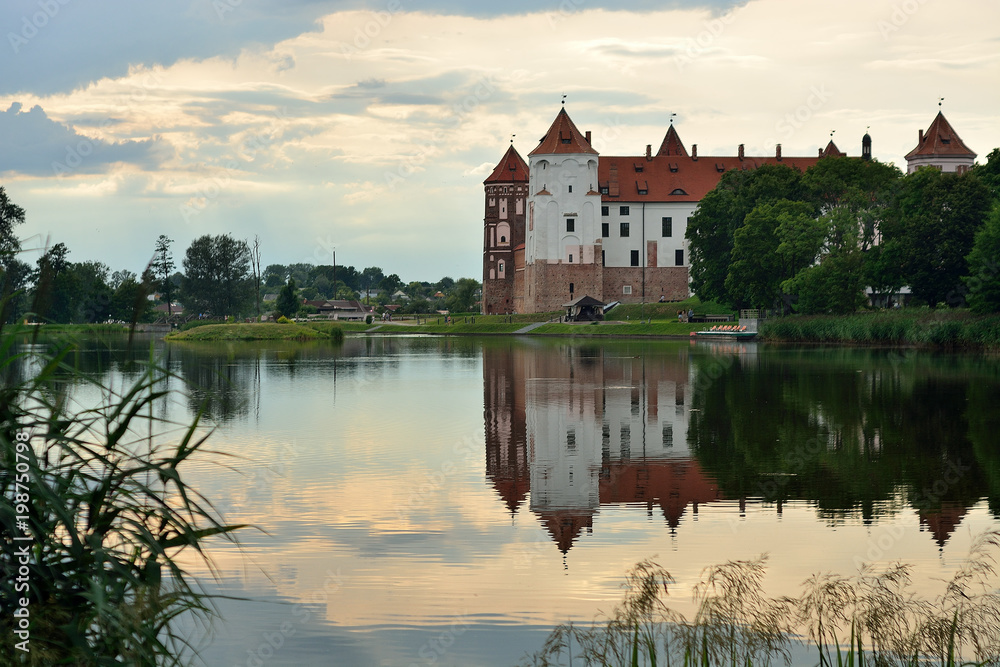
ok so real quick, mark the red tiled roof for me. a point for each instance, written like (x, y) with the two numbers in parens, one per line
(511, 169)
(831, 150)
(940, 139)
(664, 175)
(672, 144)
(563, 137)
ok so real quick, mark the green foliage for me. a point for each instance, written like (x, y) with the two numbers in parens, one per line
(983, 282)
(110, 517)
(254, 331)
(463, 296)
(217, 276)
(288, 303)
(932, 229)
(162, 268)
(283, 320)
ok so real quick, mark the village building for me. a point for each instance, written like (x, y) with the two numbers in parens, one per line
(941, 147)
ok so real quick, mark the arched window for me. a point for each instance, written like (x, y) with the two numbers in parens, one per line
(503, 239)
(571, 288)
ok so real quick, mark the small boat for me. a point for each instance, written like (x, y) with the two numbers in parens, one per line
(725, 332)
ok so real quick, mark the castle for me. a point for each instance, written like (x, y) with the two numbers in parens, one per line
(570, 223)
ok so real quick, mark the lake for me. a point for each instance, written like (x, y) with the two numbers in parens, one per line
(448, 501)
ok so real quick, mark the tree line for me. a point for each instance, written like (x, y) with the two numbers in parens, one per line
(218, 276)
(814, 242)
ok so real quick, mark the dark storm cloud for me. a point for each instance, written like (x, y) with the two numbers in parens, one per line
(59, 45)
(35, 144)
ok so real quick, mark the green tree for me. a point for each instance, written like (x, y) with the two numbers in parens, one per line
(462, 298)
(758, 269)
(288, 303)
(163, 267)
(711, 231)
(370, 278)
(931, 231)
(55, 286)
(13, 276)
(983, 282)
(989, 173)
(129, 302)
(217, 276)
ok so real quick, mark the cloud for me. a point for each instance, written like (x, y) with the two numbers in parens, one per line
(37, 145)
(55, 46)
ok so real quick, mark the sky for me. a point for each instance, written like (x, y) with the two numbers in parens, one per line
(365, 128)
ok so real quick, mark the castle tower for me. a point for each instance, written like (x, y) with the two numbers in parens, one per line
(866, 147)
(940, 147)
(563, 238)
(506, 190)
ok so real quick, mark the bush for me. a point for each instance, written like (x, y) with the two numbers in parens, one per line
(284, 320)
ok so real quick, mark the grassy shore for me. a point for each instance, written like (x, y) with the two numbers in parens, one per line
(947, 329)
(261, 331)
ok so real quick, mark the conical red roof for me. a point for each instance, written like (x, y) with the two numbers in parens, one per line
(831, 150)
(672, 144)
(940, 139)
(511, 169)
(563, 137)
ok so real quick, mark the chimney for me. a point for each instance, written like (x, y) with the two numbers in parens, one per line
(741, 151)
(777, 152)
(921, 137)
(588, 137)
(649, 151)
(820, 152)
(694, 151)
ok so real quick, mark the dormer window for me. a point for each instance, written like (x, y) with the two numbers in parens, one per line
(638, 167)
(642, 188)
(604, 189)
(678, 191)
(719, 167)
(673, 167)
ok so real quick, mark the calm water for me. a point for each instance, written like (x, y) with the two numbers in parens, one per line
(446, 501)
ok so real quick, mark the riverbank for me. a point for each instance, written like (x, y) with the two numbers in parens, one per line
(921, 327)
(257, 331)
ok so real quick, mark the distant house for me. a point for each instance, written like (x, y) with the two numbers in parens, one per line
(400, 295)
(270, 297)
(439, 295)
(340, 309)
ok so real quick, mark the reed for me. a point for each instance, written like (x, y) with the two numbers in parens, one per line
(886, 623)
(110, 515)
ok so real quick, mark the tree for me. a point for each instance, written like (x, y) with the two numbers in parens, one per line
(370, 277)
(758, 268)
(12, 271)
(711, 231)
(288, 303)
(254, 249)
(217, 276)
(163, 267)
(129, 302)
(932, 229)
(390, 284)
(54, 286)
(463, 296)
(983, 282)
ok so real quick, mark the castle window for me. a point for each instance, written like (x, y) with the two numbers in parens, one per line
(605, 210)
(667, 225)
(603, 263)
(623, 210)
(570, 224)
(605, 229)
(679, 257)
(571, 258)
(635, 258)
(500, 267)
(503, 239)
(570, 188)
(638, 168)
(604, 189)
(626, 289)
(623, 229)
(678, 191)
(571, 288)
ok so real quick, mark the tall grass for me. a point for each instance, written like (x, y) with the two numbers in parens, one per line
(932, 328)
(883, 620)
(109, 515)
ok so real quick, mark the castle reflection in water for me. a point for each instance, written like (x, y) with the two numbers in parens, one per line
(579, 427)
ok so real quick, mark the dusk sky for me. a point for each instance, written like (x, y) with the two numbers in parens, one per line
(370, 126)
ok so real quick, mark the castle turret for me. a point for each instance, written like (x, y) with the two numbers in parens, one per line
(563, 238)
(506, 191)
(941, 147)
